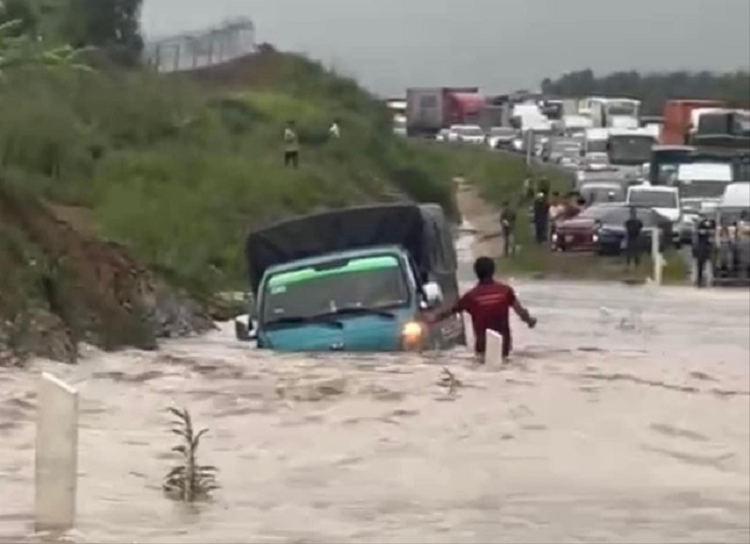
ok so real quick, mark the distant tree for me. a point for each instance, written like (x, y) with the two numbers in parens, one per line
(654, 89)
(113, 26)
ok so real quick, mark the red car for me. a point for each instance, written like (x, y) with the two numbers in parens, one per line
(581, 232)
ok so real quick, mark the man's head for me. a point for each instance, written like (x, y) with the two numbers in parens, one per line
(484, 268)
(506, 204)
(290, 123)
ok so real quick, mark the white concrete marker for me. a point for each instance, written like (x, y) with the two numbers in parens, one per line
(468, 331)
(656, 256)
(494, 353)
(56, 454)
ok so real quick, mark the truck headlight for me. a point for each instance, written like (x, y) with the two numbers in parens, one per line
(412, 334)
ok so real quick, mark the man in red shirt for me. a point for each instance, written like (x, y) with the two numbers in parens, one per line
(489, 304)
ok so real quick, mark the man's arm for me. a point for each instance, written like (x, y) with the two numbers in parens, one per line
(460, 306)
(524, 314)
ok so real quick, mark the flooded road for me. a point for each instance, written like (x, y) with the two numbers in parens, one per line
(625, 417)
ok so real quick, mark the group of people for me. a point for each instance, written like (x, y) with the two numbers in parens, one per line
(291, 142)
(545, 211)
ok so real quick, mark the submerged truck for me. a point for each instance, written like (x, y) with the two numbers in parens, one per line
(354, 279)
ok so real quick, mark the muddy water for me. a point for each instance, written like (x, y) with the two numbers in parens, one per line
(625, 417)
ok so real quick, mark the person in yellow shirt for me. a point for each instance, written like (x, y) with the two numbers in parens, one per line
(291, 145)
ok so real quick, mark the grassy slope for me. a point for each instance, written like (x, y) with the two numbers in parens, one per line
(179, 169)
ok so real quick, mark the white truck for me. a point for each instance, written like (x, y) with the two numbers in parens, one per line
(620, 113)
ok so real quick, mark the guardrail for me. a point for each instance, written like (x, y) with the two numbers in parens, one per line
(213, 46)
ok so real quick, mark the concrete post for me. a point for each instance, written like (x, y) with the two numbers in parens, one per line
(494, 353)
(656, 256)
(56, 455)
(468, 330)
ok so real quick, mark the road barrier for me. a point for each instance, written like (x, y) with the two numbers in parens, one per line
(494, 352)
(56, 455)
(656, 257)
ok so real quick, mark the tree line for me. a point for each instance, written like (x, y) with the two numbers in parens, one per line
(654, 89)
(110, 26)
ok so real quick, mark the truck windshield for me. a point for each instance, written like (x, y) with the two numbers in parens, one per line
(630, 150)
(702, 189)
(596, 146)
(622, 108)
(653, 199)
(367, 283)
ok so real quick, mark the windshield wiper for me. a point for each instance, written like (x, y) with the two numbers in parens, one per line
(318, 319)
(363, 310)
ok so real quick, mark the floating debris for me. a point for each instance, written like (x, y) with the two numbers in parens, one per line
(189, 481)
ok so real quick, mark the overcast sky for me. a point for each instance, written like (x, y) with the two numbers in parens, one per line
(499, 45)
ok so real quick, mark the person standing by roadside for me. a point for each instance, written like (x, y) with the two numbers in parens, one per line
(291, 145)
(633, 230)
(508, 226)
(556, 211)
(702, 246)
(541, 218)
(489, 304)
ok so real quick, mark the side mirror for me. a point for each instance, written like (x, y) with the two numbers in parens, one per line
(433, 294)
(244, 328)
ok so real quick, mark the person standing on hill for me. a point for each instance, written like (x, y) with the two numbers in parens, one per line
(291, 146)
(489, 304)
(335, 131)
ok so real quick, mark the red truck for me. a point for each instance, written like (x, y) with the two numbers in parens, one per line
(430, 109)
(677, 119)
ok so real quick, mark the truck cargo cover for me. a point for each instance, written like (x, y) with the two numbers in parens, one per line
(407, 225)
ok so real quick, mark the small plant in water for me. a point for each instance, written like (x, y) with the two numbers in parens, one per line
(450, 381)
(189, 481)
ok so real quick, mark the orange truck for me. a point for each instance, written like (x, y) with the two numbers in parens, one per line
(677, 114)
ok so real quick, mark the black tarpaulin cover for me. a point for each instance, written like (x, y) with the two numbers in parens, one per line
(408, 225)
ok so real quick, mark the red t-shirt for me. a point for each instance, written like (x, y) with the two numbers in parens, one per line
(489, 305)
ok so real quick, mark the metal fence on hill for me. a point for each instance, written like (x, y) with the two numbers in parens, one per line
(191, 51)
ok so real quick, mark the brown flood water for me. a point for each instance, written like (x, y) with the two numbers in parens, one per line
(625, 417)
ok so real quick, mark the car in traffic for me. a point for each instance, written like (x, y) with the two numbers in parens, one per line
(610, 233)
(598, 192)
(601, 229)
(444, 135)
(501, 137)
(579, 233)
(469, 134)
(662, 199)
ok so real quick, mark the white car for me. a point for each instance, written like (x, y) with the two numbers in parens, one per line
(499, 137)
(444, 135)
(663, 200)
(470, 134)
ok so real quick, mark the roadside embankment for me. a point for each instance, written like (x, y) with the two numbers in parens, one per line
(116, 184)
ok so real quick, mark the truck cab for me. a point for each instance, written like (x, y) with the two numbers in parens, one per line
(358, 279)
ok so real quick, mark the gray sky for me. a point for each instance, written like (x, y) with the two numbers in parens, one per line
(499, 45)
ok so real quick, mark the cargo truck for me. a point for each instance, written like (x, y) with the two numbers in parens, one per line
(430, 109)
(353, 279)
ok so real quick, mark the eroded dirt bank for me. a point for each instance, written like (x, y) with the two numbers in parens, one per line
(62, 286)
